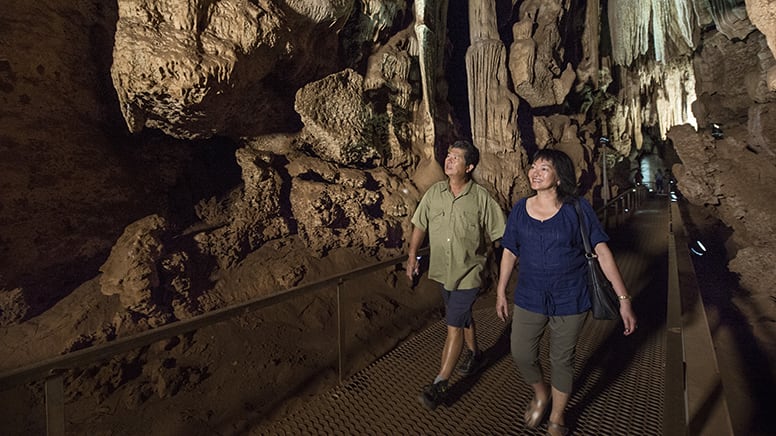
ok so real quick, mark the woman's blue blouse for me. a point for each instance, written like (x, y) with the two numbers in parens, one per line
(552, 270)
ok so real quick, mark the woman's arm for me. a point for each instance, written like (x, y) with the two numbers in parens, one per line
(508, 260)
(612, 272)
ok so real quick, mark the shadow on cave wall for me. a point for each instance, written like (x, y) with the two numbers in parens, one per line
(718, 286)
(172, 177)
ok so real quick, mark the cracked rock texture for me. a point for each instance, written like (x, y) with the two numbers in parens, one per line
(160, 159)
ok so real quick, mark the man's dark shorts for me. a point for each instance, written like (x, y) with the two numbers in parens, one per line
(458, 305)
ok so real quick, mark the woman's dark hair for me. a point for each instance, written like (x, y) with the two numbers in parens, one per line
(470, 152)
(564, 167)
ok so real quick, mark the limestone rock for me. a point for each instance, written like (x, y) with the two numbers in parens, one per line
(132, 270)
(13, 308)
(249, 216)
(494, 109)
(337, 123)
(192, 69)
(755, 265)
(737, 183)
(534, 54)
(336, 207)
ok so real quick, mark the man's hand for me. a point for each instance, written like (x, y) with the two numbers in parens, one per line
(413, 267)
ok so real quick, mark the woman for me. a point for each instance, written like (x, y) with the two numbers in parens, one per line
(543, 230)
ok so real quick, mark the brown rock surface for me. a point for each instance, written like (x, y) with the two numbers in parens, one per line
(318, 125)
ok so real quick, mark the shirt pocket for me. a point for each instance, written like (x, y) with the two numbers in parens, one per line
(468, 228)
(436, 221)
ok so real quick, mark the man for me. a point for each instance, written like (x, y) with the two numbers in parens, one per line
(457, 214)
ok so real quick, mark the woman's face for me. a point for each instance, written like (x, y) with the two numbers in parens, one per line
(542, 176)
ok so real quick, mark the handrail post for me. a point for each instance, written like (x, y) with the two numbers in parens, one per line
(340, 332)
(675, 418)
(55, 405)
(54, 383)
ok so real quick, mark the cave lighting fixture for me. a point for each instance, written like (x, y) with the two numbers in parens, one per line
(699, 249)
(716, 131)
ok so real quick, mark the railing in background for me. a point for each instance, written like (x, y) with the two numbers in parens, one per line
(52, 370)
(618, 209)
(692, 374)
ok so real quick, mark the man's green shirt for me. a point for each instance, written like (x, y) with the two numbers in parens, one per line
(457, 228)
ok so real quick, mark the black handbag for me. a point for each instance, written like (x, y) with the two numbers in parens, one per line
(602, 297)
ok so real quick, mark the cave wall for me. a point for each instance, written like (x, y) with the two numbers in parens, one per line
(64, 193)
(206, 131)
(194, 134)
(733, 176)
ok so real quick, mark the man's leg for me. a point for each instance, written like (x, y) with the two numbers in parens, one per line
(451, 352)
(458, 307)
(470, 336)
(473, 359)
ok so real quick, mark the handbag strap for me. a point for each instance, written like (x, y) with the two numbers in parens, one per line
(582, 229)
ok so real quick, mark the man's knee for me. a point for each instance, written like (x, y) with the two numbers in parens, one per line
(454, 330)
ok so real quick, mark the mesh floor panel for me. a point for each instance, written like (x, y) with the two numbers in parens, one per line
(618, 381)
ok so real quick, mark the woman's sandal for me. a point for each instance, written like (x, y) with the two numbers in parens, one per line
(555, 429)
(535, 412)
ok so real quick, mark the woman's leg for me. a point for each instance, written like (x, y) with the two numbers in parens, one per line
(527, 329)
(563, 341)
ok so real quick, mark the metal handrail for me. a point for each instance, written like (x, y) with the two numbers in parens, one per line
(693, 378)
(99, 352)
(622, 204)
(52, 369)
(675, 418)
(104, 351)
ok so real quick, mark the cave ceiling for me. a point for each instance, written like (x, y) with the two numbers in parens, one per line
(226, 126)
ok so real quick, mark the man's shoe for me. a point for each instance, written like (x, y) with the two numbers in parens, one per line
(471, 363)
(433, 395)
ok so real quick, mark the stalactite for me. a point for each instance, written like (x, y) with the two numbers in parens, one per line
(730, 18)
(667, 24)
(655, 40)
(670, 88)
(430, 30)
(588, 68)
(493, 108)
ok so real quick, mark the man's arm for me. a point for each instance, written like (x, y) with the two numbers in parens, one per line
(416, 240)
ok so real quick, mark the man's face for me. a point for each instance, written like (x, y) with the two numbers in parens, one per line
(455, 163)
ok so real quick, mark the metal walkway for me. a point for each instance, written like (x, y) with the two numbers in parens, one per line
(619, 387)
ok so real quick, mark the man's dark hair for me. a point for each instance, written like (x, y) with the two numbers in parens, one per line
(471, 154)
(564, 167)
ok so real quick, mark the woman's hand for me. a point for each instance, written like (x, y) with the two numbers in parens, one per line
(502, 307)
(628, 317)
(508, 260)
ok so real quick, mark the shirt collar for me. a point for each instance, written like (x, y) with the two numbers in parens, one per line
(464, 191)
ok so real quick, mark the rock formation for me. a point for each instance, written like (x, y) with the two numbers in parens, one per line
(155, 152)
